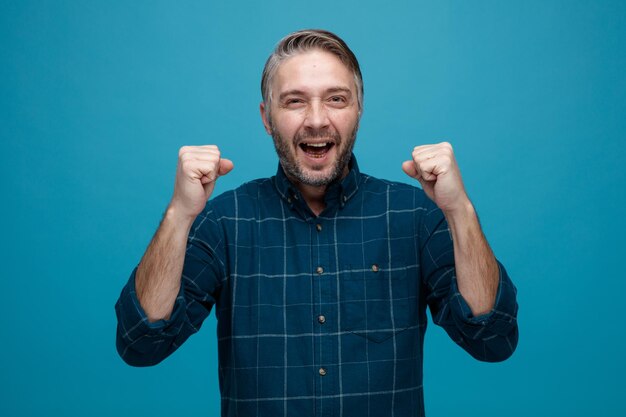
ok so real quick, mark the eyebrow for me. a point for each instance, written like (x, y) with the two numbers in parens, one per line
(330, 90)
(339, 90)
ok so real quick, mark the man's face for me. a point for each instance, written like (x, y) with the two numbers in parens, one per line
(314, 117)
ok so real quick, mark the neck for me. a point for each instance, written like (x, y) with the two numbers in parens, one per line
(314, 197)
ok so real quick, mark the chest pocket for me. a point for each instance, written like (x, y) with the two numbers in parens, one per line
(375, 302)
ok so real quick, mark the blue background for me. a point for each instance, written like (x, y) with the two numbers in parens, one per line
(97, 97)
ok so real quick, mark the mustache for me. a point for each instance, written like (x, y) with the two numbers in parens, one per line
(320, 134)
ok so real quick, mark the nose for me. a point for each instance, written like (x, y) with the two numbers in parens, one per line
(316, 115)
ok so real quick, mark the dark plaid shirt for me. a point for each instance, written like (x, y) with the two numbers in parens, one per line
(320, 315)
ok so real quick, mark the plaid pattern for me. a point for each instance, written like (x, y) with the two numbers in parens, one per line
(320, 316)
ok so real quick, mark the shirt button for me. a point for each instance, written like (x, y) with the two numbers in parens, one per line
(318, 227)
(321, 319)
(289, 200)
(375, 268)
(322, 371)
(345, 198)
(319, 270)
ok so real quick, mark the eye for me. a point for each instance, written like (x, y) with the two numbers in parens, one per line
(337, 101)
(294, 102)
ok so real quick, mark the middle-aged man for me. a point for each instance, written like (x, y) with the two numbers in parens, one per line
(320, 275)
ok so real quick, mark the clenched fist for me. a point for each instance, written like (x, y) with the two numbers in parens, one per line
(435, 167)
(198, 169)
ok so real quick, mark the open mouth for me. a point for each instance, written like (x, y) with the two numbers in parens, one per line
(316, 150)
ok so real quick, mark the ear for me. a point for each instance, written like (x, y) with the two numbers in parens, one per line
(266, 121)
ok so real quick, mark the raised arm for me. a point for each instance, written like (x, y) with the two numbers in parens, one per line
(471, 295)
(156, 312)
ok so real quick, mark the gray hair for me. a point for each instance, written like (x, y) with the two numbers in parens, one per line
(303, 41)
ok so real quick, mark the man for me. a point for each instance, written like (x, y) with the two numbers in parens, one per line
(320, 275)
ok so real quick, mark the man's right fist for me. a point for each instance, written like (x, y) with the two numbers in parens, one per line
(198, 168)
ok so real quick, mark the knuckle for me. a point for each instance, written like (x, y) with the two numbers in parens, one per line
(185, 164)
(210, 168)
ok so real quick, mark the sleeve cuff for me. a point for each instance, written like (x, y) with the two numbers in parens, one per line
(133, 320)
(500, 320)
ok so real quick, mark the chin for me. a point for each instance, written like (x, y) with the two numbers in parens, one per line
(318, 178)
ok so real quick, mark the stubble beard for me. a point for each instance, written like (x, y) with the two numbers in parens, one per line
(293, 169)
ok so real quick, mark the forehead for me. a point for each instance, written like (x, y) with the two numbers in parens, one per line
(312, 71)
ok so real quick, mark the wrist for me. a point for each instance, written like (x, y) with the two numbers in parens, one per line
(178, 218)
(462, 211)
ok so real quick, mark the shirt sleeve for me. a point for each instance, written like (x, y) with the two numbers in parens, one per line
(491, 337)
(142, 343)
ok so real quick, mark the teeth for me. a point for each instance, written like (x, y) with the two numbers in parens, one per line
(317, 145)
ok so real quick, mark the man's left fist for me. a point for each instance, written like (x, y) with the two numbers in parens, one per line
(435, 167)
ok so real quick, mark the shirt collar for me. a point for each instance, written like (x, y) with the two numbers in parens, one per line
(337, 192)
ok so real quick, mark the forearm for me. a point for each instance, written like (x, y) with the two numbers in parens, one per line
(475, 264)
(158, 276)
